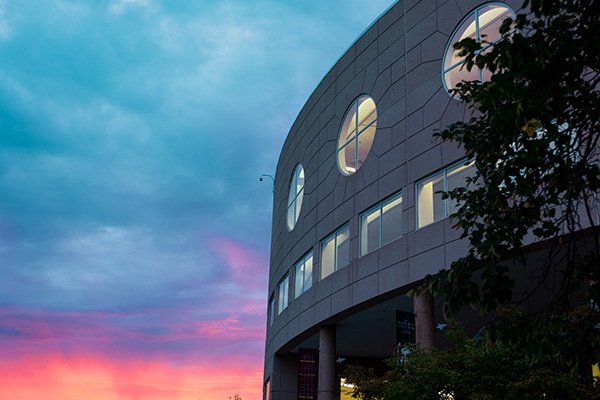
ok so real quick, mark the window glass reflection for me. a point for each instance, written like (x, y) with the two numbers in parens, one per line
(490, 20)
(431, 207)
(272, 309)
(391, 222)
(283, 291)
(365, 141)
(381, 224)
(429, 202)
(303, 275)
(482, 25)
(335, 251)
(369, 231)
(357, 134)
(327, 256)
(342, 248)
(295, 196)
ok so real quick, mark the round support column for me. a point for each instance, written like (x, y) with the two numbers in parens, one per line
(424, 320)
(327, 376)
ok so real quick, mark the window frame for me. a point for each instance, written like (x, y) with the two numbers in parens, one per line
(272, 308)
(302, 261)
(449, 46)
(334, 234)
(298, 195)
(390, 199)
(286, 279)
(354, 108)
(444, 173)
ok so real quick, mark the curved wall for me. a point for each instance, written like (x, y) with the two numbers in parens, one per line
(397, 61)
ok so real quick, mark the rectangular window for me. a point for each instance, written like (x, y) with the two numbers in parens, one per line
(283, 293)
(430, 205)
(272, 309)
(303, 275)
(381, 224)
(335, 251)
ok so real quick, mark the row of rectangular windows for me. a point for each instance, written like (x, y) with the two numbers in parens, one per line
(378, 226)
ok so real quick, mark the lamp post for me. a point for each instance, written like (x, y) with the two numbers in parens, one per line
(262, 176)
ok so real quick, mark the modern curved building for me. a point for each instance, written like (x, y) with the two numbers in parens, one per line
(358, 220)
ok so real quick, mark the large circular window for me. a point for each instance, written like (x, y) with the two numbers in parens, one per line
(483, 25)
(295, 197)
(357, 134)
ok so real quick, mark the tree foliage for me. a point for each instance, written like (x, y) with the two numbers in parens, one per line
(534, 138)
(533, 135)
(479, 369)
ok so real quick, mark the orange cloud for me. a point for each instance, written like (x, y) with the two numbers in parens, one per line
(55, 376)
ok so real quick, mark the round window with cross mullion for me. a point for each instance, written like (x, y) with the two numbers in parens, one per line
(482, 25)
(295, 197)
(357, 134)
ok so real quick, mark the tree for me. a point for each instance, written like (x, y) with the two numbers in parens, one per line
(533, 135)
(472, 369)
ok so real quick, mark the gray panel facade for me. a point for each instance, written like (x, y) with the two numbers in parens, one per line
(398, 62)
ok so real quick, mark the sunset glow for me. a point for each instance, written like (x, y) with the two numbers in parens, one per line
(56, 376)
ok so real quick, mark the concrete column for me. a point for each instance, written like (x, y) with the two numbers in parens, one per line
(328, 383)
(424, 320)
(284, 377)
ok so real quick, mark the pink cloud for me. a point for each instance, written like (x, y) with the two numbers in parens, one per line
(177, 335)
(39, 325)
(44, 325)
(230, 328)
(248, 267)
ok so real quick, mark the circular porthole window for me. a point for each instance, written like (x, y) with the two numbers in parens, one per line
(295, 197)
(483, 25)
(357, 134)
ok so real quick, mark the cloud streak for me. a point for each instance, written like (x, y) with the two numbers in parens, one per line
(168, 334)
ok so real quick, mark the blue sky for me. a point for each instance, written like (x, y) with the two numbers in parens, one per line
(132, 135)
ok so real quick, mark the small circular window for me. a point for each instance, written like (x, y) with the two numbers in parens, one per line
(357, 134)
(483, 25)
(295, 197)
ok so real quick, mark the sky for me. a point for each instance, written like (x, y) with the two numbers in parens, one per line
(134, 232)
